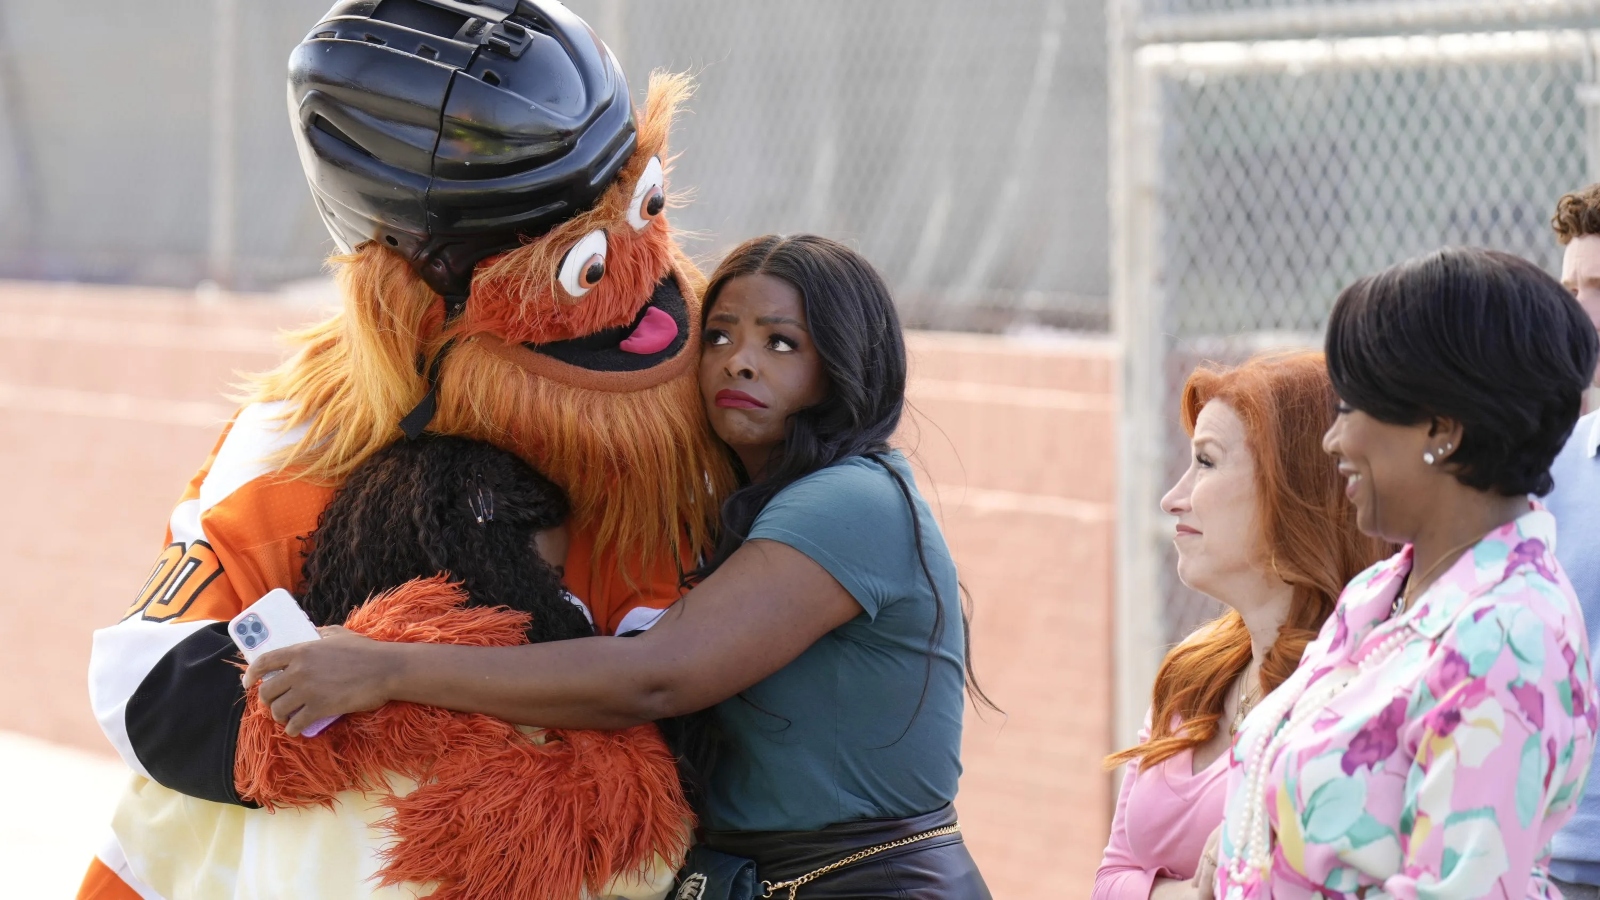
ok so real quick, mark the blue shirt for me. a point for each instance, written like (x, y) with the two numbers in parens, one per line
(1575, 503)
(866, 723)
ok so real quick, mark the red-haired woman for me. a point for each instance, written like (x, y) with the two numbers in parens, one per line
(1264, 527)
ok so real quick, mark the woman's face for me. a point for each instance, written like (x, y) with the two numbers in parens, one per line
(759, 366)
(1219, 530)
(1385, 474)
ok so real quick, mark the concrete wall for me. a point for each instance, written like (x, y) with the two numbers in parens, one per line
(109, 399)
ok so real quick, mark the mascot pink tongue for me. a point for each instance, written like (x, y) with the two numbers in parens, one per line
(508, 275)
(655, 334)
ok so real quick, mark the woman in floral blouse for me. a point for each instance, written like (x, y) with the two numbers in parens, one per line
(1438, 731)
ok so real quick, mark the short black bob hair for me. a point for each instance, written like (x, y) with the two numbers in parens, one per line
(441, 505)
(1485, 338)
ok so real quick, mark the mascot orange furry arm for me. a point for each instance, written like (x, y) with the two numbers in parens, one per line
(495, 812)
(508, 275)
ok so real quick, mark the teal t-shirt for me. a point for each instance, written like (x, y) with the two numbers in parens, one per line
(836, 735)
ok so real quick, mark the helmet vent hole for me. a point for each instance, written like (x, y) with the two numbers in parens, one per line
(392, 242)
(327, 34)
(489, 77)
(532, 20)
(419, 15)
(427, 52)
(374, 39)
(331, 130)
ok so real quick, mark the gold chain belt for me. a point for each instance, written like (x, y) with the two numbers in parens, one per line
(769, 888)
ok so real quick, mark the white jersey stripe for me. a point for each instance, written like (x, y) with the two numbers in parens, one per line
(640, 618)
(185, 523)
(122, 656)
(257, 435)
(124, 653)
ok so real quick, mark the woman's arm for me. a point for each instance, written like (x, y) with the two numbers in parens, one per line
(754, 615)
(1122, 875)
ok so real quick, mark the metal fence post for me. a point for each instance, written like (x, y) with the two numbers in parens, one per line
(1136, 318)
(14, 118)
(221, 240)
(1588, 96)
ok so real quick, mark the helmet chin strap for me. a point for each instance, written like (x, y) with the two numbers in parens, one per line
(416, 421)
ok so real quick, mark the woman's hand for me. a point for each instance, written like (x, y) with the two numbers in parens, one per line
(1204, 883)
(1171, 889)
(342, 673)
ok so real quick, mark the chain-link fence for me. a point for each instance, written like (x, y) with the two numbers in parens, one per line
(112, 149)
(1266, 154)
(960, 145)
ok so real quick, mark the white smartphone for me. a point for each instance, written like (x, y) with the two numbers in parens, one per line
(271, 623)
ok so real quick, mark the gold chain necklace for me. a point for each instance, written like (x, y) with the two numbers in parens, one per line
(1403, 602)
(1249, 696)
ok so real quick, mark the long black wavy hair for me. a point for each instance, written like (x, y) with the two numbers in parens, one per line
(857, 333)
(436, 505)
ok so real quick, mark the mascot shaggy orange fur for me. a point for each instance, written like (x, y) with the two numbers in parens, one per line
(500, 813)
(631, 449)
(463, 806)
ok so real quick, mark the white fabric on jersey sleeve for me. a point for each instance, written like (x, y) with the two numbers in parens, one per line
(640, 618)
(123, 654)
(583, 607)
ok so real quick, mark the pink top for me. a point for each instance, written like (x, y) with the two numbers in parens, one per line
(1163, 818)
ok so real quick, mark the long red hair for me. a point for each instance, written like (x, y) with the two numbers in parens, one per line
(1309, 539)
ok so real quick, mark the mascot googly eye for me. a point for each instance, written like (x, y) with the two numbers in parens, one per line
(649, 196)
(584, 265)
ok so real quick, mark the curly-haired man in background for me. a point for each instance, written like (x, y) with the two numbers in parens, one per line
(1575, 857)
(1577, 225)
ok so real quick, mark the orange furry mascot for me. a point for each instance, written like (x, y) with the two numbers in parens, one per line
(571, 343)
(498, 812)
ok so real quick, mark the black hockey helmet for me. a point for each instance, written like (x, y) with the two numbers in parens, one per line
(449, 129)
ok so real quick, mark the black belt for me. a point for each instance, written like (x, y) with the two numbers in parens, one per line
(936, 867)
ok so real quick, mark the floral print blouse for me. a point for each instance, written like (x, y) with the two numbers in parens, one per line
(1431, 754)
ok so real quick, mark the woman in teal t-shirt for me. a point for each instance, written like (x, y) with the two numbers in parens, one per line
(826, 628)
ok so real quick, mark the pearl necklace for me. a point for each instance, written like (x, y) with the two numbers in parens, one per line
(1256, 852)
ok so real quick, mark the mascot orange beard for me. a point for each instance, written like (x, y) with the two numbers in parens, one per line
(536, 364)
(541, 373)
(625, 436)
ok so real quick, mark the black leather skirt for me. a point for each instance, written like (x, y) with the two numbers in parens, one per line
(938, 868)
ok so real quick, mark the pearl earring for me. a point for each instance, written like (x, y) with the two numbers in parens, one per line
(1428, 457)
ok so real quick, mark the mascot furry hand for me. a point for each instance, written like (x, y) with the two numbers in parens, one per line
(497, 812)
(508, 276)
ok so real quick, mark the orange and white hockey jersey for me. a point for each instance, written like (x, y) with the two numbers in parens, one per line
(164, 684)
